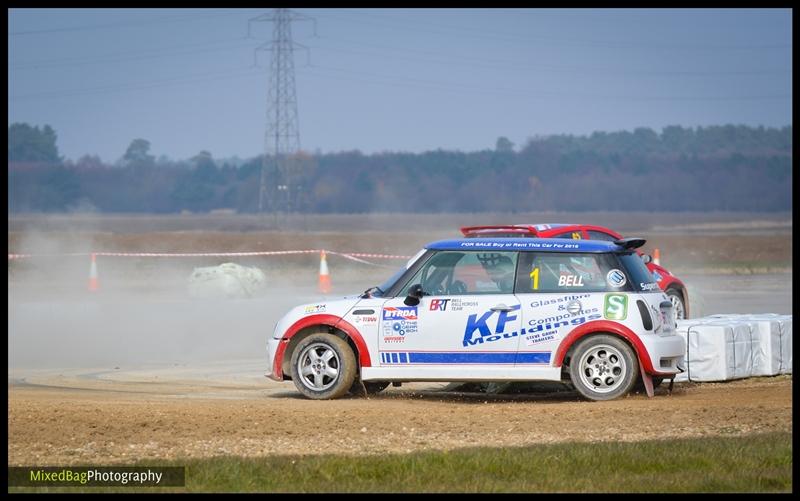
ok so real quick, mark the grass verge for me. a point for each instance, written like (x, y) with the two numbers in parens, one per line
(753, 463)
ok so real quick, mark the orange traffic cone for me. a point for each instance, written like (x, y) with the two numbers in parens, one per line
(94, 285)
(656, 256)
(324, 275)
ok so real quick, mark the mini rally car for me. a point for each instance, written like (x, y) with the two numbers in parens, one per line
(669, 283)
(489, 309)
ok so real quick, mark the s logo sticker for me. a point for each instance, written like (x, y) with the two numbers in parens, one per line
(615, 306)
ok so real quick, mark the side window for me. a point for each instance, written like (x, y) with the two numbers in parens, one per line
(599, 235)
(459, 273)
(563, 272)
(575, 235)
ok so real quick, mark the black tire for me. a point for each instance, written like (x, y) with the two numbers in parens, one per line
(678, 305)
(372, 387)
(323, 367)
(603, 367)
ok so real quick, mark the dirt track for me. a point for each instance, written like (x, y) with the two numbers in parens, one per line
(65, 420)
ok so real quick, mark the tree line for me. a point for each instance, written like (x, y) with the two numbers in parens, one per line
(726, 167)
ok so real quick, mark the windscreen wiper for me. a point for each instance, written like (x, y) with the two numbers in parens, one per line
(368, 292)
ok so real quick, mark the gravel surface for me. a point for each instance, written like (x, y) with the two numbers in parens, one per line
(121, 416)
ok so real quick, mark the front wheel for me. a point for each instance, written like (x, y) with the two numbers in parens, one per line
(323, 366)
(678, 307)
(603, 367)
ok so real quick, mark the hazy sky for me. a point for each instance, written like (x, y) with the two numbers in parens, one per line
(392, 79)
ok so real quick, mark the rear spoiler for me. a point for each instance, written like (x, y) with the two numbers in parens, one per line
(466, 230)
(630, 243)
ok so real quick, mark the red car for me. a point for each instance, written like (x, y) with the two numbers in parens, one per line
(669, 283)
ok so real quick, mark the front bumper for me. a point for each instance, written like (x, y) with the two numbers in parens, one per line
(666, 353)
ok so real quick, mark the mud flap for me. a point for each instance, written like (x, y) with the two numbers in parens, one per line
(361, 389)
(647, 380)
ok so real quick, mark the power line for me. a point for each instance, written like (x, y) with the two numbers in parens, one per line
(189, 79)
(129, 22)
(470, 62)
(401, 81)
(484, 34)
(120, 58)
(539, 94)
(504, 64)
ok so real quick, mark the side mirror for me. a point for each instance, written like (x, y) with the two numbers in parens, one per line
(647, 258)
(414, 295)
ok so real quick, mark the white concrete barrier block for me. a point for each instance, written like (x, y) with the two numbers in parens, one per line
(734, 346)
(786, 344)
(767, 347)
(710, 352)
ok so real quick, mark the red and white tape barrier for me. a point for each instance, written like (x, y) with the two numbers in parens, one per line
(353, 256)
(203, 254)
(25, 256)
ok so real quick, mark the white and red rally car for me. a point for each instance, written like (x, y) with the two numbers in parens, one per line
(585, 312)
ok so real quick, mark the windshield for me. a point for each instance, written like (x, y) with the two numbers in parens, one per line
(385, 286)
(458, 273)
(381, 289)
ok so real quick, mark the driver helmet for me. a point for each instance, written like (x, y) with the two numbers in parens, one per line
(500, 269)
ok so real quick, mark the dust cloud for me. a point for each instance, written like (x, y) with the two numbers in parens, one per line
(143, 312)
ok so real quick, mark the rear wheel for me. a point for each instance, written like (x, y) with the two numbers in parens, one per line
(323, 366)
(678, 307)
(603, 367)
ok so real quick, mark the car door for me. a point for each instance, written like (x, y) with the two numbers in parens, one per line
(465, 325)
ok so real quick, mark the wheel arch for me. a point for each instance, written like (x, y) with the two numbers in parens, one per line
(314, 324)
(678, 286)
(567, 345)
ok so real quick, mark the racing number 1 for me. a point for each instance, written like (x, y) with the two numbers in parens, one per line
(535, 279)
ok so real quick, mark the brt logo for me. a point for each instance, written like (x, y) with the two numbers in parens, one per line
(438, 304)
(615, 306)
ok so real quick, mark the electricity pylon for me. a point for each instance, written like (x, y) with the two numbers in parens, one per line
(278, 186)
